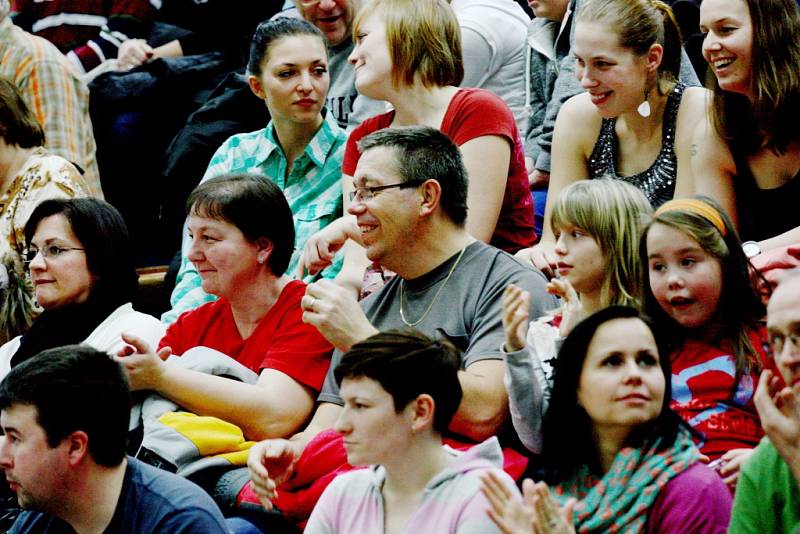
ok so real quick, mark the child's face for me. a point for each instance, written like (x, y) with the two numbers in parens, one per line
(685, 279)
(580, 258)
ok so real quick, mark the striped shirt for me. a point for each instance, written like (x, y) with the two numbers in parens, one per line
(313, 189)
(58, 98)
(87, 31)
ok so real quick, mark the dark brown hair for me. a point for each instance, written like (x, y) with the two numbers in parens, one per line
(770, 120)
(18, 125)
(407, 363)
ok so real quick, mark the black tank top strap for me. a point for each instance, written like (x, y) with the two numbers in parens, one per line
(670, 119)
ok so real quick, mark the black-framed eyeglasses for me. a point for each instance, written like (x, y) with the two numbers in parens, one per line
(49, 252)
(362, 194)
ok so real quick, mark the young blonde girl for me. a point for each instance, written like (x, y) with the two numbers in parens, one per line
(597, 224)
(700, 294)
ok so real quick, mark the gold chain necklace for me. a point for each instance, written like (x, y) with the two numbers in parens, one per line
(435, 297)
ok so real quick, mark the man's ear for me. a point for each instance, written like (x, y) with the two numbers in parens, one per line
(256, 87)
(77, 446)
(264, 251)
(431, 196)
(422, 417)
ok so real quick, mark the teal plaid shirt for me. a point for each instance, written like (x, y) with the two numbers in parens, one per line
(313, 189)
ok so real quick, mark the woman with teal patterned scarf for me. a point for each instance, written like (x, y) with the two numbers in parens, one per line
(616, 458)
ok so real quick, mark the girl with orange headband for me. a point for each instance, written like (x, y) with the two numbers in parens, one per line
(700, 295)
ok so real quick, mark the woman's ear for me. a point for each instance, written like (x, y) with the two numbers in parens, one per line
(256, 87)
(654, 57)
(431, 196)
(263, 250)
(423, 408)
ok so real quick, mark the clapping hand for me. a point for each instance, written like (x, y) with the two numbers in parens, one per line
(516, 303)
(542, 256)
(145, 368)
(537, 512)
(334, 311)
(270, 463)
(571, 307)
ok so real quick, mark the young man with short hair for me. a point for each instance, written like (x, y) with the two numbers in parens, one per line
(65, 416)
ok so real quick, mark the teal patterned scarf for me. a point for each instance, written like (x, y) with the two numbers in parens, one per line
(621, 500)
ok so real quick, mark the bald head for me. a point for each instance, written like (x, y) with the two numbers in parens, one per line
(783, 323)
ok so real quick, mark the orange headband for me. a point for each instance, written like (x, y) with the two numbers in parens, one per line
(696, 206)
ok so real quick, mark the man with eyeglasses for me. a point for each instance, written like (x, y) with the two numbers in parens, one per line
(410, 205)
(768, 492)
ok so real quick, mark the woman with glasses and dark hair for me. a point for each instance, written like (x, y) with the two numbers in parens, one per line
(83, 275)
(616, 457)
(28, 175)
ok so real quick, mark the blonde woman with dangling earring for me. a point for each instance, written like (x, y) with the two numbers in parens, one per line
(634, 122)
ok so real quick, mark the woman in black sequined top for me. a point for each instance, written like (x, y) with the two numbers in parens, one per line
(635, 122)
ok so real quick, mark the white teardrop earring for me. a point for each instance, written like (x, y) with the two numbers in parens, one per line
(644, 107)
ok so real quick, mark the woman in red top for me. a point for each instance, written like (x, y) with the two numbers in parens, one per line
(419, 78)
(242, 237)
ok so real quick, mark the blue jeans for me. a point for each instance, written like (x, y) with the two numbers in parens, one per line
(240, 525)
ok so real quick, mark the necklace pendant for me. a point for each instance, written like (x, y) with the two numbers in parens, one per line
(435, 296)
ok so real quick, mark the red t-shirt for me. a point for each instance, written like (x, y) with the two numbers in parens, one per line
(475, 113)
(703, 394)
(281, 341)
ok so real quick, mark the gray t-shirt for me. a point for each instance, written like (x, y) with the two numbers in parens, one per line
(468, 311)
